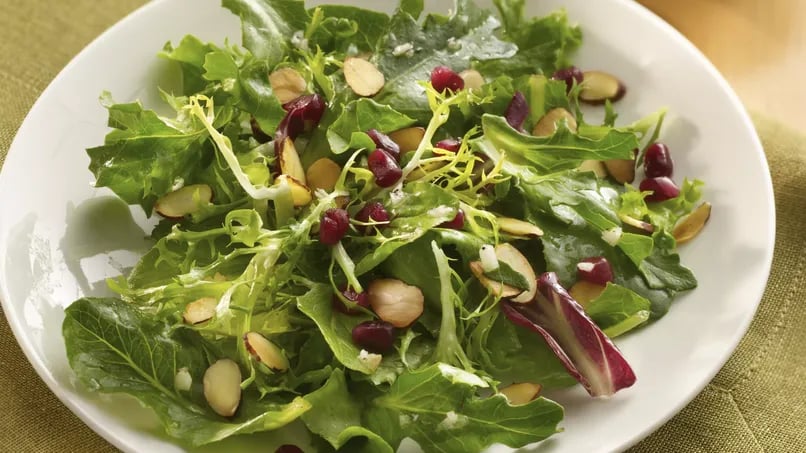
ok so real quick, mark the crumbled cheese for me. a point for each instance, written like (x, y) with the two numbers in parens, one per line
(372, 361)
(612, 236)
(178, 184)
(454, 44)
(299, 41)
(183, 380)
(406, 49)
(405, 420)
(457, 375)
(585, 267)
(489, 262)
(452, 421)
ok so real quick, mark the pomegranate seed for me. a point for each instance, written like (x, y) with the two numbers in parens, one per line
(457, 223)
(257, 132)
(288, 448)
(443, 78)
(359, 299)
(373, 211)
(662, 189)
(374, 336)
(569, 75)
(302, 113)
(517, 111)
(658, 161)
(384, 167)
(595, 269)
(333, 226)
(382, 141)
(449, 144)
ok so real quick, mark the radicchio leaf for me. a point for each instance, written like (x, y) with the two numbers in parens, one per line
(517, 111)
(303, 113)
(585, 351)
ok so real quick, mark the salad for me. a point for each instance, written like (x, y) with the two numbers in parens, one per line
(381, 227)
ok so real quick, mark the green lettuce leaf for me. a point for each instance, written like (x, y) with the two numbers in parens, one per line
(360, 116)
(344, 29)
(268, 25)
(618, 310)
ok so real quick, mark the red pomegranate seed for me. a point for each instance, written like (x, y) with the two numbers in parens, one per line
(443, 78)
(333, 226)
(517, 111)
(658, 161)
(449, 144)
(374, 336)
(662, 189)
(302, 113)
(384, 167)
(569, 75)
(257, 132)
(288, 448)
(373, 211)
(382, 141)
(595, 269)
(457, 223)
(359, 299)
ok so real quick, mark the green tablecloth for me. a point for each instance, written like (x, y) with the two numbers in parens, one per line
(756, 403)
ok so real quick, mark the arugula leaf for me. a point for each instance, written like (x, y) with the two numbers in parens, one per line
(508, 276)
(113, 347)
(360, 116)
(336, 416)
(268, 25)
(618, 310)
(336, 327)
(143, 157)
(190, 54)
(437, 407)
(467, 35)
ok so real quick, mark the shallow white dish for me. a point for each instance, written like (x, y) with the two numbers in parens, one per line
(60, 237)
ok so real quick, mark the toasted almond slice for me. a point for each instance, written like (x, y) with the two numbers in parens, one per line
(473, 79)
(184, 201)
(622, 170)
(222, 387)
(508, 254)
(600, 86)
(300, 193)
(690, 226)
(547, 125)
(287, 84)
(497, 288)
(200, 310)
(408, 139)
(644, 227)
(265, 352)
(363, 77)
(289, 162)
(521, 393)
(596, 166)
(517, 227)
(395, 302)
(323, 174)
(585, 292)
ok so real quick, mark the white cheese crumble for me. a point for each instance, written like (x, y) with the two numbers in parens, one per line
(372, 361)
(183, 380)
(452, 420)
(299, 41)
(457, 375)
(454, 44)
(489, 262)
(585, 267)
(612, 236)
(406, 49)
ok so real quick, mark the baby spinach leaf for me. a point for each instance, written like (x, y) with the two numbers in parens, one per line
(618, 310)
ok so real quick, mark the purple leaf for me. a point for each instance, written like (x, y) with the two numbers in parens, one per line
(517, 111)
(585, 351)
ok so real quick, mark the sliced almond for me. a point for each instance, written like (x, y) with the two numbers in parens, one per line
(287, 84)
(289, 162)
(323, 174)
(517, 227)
(184, 201)
(498, 289)
(521, 393)
(300, 193)
(222, 387)
(363, 77)
(585, 292)
(473, 79)
(508, 254)
(622, 170)
(644, 227)
(600, 86)
(395, 302)
(548, 124)
(596, 166)
(408, 139)
(265, 352)
(690, 226)
(200, 310)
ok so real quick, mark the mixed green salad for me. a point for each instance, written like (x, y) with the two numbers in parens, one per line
(381, 227)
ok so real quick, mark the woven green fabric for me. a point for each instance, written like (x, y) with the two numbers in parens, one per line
(756, 403)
